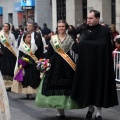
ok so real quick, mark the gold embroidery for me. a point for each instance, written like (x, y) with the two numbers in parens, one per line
(59, 50)
(28, 50)
(6, 44)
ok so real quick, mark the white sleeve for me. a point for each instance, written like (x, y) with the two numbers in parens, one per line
(14, 43)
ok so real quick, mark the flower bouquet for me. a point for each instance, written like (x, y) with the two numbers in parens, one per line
(23, 63)
(43, 65)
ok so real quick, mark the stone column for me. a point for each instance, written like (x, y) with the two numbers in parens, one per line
(78, 12)
(74, 12)
(54, 15)
(118, 15)
(70, 12)
(43, 13)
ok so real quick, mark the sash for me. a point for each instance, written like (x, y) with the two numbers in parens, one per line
(57, 47)
(6, 44)
(29, 52)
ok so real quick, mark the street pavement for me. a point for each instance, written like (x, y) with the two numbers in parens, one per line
(23, 109)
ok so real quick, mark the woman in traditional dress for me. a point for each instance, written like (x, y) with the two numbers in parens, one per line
(8, 59)
(56, 85)
(31, 79)
(4, 104)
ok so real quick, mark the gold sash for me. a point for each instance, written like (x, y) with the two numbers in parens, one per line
(6, 44)
(29, 52)
(59, 50)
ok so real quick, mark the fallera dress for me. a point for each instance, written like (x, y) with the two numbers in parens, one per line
(55, 89)
(4, 103)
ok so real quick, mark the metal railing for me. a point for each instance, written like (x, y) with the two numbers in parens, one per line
(116, 57)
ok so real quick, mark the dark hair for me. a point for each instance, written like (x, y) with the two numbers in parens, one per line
(63, 21)
(35, 23)
(96, 13)
(44, 24)
(72, 27)
(117, 40)
(13, 28)
(25, 34)
(8, 25)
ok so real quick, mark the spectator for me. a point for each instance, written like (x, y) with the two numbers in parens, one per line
(72, 31)
(45, 32)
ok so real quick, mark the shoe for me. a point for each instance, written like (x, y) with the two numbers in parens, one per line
(60, 116)
(98, 117)
(29, 96)
(89, 114)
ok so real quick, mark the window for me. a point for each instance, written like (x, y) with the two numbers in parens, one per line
(10, 18)
(84, 2)
(61, 10)
(113, 12)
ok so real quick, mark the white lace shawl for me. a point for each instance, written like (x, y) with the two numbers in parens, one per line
(11, 40)
(33, 49)
(6, 115)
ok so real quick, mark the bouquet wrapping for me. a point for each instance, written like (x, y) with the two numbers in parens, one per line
(23, 63)
(43, 65)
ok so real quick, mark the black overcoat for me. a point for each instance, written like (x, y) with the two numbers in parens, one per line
(94, 82)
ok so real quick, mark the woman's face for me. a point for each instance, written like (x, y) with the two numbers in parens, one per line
(61, 28)
(6, 27)
(28, 38)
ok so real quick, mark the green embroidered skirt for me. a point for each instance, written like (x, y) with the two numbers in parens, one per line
(58, 102)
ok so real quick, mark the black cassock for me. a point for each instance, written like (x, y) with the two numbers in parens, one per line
(94, 82)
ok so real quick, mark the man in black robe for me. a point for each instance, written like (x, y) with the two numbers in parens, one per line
(94, 83)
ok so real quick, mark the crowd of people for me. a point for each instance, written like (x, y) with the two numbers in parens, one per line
(88, 81)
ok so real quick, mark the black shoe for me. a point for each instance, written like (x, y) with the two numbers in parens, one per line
(8, 89)
(89, 114)
(98, 117)
(29, 96)
(60, 116)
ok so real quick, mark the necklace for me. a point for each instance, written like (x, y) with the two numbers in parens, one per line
(62, 39)
(6, 35)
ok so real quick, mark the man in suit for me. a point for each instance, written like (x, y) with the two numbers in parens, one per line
(35, 38)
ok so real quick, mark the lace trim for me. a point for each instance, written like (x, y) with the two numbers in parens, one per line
(6, 77)
(18, 88)
(8, 83)
(53, 92)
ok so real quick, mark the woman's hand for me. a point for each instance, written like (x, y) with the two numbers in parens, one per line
(20, 66)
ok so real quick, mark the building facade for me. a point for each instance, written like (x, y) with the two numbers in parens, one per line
(76, 11)
(50, 11)
(39, 11)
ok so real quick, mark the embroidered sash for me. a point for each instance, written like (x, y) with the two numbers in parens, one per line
(57, 47)
(29, 52)
(6, 44)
